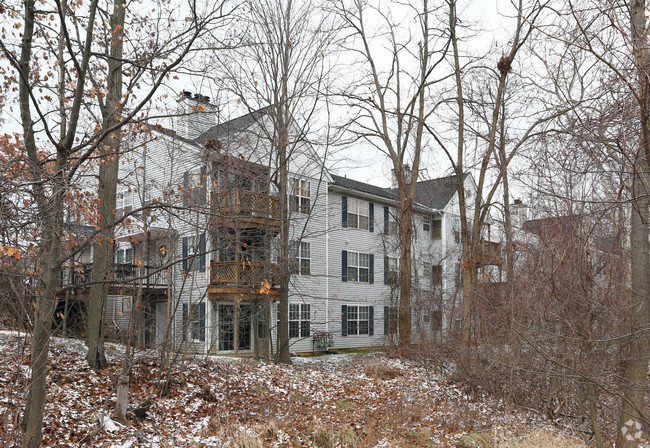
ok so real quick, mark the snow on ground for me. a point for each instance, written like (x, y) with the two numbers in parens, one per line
(335, 400)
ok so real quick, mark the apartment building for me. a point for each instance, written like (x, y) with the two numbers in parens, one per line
(199, 251)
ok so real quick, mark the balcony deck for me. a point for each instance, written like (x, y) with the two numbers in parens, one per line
(126, 278)
(241, 280)
(241, 209)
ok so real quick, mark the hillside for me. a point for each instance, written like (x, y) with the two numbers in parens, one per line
(369, 400)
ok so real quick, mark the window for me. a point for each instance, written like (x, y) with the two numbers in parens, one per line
(436, 275)
(194, 253)
(304, 258)
(358, 320)
(391, 270)
(194, 187)
(302, 255)
(426, 224)
(358, 267)
(358, 214)
(457, 276)
(457, 231)
(300, 195)
(194, 321)
(436, 229)
(124, 255)
(390, 226)
(123, 202)
(391, 319)
(299, 320)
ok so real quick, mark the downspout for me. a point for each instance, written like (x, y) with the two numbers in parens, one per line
(327, 258)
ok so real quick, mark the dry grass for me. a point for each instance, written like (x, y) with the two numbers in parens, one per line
(381, 371)
(543, 438)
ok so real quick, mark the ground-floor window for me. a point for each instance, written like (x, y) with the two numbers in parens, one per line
(194, 321)
(358, 320)
(299, 320)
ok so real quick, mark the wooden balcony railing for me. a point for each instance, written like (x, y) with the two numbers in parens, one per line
(126, 274)
(487, 252)
(243, 273)
(240, 202)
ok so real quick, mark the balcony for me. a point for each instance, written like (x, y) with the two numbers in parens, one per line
(232, 279)
(126, 275)
(487, 252)
(242, 209)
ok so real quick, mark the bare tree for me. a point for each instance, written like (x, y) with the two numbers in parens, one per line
(392, 102)
(279, 74)
(55, 144)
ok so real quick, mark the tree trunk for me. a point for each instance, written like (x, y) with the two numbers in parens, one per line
(406, 231)
(108, 172)
(634, 381)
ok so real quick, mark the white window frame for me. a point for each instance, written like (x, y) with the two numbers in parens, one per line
(194, 322)
(392, 268)
(299, 320)
(300, 195)
(358, 214)
(358, 266)
(124, 249)
(124, 198)
(457, 231)
(426, 224)
(355, 316)
(304, 258)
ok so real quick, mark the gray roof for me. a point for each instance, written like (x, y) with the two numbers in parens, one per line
(363, 187)
(436, 193)
(238, 124)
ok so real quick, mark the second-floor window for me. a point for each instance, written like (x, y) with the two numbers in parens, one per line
(357, 267)
(426, 224)
(302, 253)
(391, 270)
(300, 195)
(194, 253)
(436, 229)
(390, 225)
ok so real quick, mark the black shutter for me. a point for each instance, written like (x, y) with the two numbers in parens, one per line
(344, 266)
(185, 260)
(371, 218)
(371, 321)
(385, 270)
(344, 211)
(203, 197)
(186, 186)
(202, 252)
(371, 268)
(185, 321)
(386, 220)
(386, 319)
(344, 320)
(202, 321)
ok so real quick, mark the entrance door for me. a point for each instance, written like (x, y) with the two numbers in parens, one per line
(227, 326)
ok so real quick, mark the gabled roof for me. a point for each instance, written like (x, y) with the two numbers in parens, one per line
(436, 193)
(238, 124)
(363, 187)
(170, 133)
